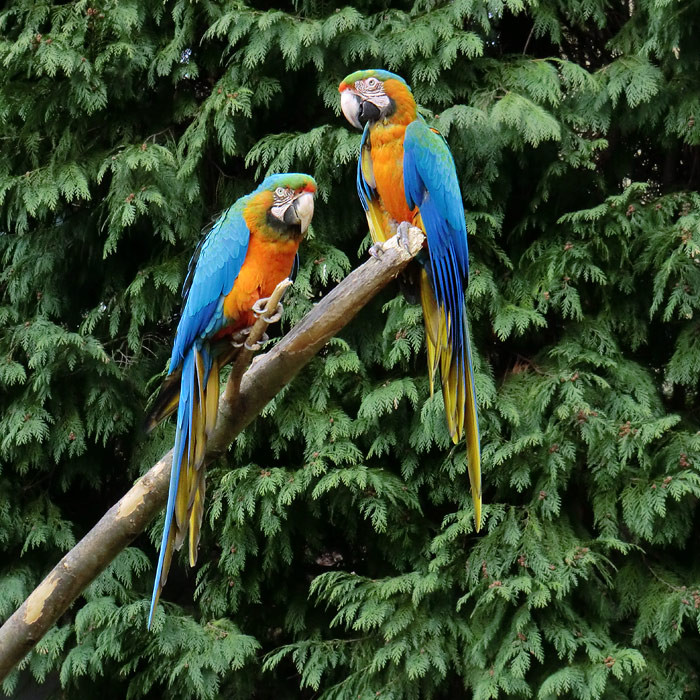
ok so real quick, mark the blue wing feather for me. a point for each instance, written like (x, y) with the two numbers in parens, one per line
(430, 183)
(217, 264)
(366, 191)
(369, 196)
(213, 271)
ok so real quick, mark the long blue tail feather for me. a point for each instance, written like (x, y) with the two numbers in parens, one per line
(191, 410)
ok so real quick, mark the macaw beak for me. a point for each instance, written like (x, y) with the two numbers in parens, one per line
(350, 104)
(358, 112)
(300, 211)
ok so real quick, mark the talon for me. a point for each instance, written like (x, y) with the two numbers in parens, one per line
(402, 231)
(376, 250)
(259, 306)
(275, 316)
(254, 347)
(238, 340)
(259, 310)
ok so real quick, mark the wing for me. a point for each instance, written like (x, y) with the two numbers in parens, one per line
(430, 183)
(367, 189)
(213, 270)
(212, 273)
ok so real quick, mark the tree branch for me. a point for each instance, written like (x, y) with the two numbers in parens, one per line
(130, 516)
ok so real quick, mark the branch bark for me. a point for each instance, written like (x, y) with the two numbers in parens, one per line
(130, 516)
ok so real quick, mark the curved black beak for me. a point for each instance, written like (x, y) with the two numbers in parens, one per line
(368, 112)
(357, 111)
(350, 104)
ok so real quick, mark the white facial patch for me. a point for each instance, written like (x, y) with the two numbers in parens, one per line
(372, 90)
(281, 199)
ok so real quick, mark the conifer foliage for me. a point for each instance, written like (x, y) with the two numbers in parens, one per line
(339, 558)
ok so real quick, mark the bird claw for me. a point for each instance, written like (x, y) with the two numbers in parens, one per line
(259, 310)
(238, 340)
(254, 347)
(376, 250)
(403, 238)
(259, 306)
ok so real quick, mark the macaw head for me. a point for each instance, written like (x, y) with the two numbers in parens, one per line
(374, 95)
(289, 201)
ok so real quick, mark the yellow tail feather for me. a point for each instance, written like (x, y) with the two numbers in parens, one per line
(433, 335)
(166, 403)
(189, 500)
(473, 450)
(196, 515)
(212, 398)
(457, 386)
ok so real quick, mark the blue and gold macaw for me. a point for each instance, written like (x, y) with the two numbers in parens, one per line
(406, 176)
(249, 250)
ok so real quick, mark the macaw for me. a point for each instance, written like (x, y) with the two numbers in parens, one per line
(250, 248)
(406, 176)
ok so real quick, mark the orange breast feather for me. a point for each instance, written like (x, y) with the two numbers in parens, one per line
(268, 261)
(387, 165)
(386, 139)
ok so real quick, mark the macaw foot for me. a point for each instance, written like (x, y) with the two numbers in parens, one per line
(259, 310)
(239, 340)
(402, 230)
(376, 250)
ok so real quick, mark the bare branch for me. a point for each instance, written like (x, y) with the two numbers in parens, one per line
(130, 516)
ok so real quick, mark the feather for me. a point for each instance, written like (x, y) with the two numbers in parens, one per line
(431, 317)
(369, 197)
(170, 529)
(212, 398)
(196, 515)
(166, 402)
(425, 192)
(430, 183)
(186, 496)
(192, 385)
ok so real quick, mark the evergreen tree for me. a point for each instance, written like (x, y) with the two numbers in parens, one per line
(338, 556)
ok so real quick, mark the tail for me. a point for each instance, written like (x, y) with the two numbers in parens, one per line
(198, 397)
(166, 402)
(449, 349)
(169, 395)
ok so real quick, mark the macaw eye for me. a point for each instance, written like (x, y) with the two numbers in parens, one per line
(281, 191)
(372, 83)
